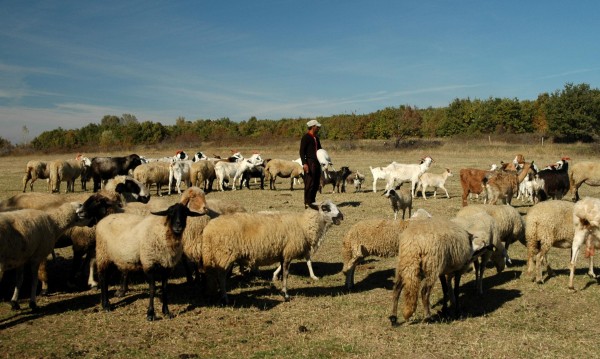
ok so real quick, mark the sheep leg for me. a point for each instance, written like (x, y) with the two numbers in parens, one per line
(124, 285)
(349, 271)
(91, 282)
(456, 294)
(444, 283)
(286, 270)
(42, 275)
(396, 290)
(164, 298)
(150, 315)
(14, 301)
(479, 268)
(310, 269)
(103, 289)
(276, 274)
(34, 283)
(423, 189)
(578, 239)
(425, 295)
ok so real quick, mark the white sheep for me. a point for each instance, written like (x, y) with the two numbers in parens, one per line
(429, 249)
(150, 243)
(509, 222)
(35, 170)
(586, 226)
(27, 237)
(486, 237)
(407, 173)
(548, 224)
(399, 200)
(284, 169)
(372, 237)
(264, 239)
(434, 180)
(158, 173)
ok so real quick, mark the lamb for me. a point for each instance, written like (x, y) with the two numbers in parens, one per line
(586, 221)
(434, 180)
(401, 200)
(35, 170)
(263, 239)
(429, 249)
(509, 223)
(27, 237)
(408, 173)
(284, 169)
(372, 237)
(583, 172)
(133, 242)
(158, 173)
(548, 225)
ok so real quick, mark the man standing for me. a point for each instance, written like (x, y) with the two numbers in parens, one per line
(309, 144)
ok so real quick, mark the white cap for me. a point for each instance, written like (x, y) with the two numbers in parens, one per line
(312, 123)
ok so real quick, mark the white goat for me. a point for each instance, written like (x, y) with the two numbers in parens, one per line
(408, 173)
(434, 180)
(234, 170)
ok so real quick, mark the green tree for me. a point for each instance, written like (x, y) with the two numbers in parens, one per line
(574, 113)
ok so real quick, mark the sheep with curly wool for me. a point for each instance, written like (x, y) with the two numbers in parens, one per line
(509, 223)
(429, 250)
(27, 237)
(150, 243)
(264, 239)
(372, 237)
(35, 170)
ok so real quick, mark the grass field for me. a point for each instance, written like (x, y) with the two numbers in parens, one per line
(514, 318)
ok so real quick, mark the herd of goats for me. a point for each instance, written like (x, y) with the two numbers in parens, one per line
(118, 226)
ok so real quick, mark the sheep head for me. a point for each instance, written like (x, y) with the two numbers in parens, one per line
(176, 217)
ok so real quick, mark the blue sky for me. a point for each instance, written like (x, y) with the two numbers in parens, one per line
(68, 63)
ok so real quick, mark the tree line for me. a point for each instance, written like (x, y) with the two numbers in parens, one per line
(566, 115)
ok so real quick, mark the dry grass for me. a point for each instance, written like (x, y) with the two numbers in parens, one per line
(514, 318)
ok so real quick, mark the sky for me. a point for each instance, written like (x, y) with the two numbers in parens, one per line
(69, 63)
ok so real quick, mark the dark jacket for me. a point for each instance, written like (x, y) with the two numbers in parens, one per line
(308, 150)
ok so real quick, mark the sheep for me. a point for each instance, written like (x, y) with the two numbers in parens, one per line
(66, 171)
(35, 170)
(586, 221)
(401, 200)
(486, 235)
(27, 237)
(263, 239)
(105, 168)
(509, 223)
(202, 174)
(133, 242)
(408, 173)
(429, 249)
(284, 169)
(548, 224)
(372, 237)
(157, 173)
(335, 178)
(583, 172)
(434, 180)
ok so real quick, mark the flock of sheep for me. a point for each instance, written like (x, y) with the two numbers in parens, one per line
(119, 226)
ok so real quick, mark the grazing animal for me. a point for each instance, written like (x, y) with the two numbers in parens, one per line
(434, 180)
(583, 173)
(105, 168)
(399, 200)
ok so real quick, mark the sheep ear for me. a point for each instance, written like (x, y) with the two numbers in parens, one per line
(162, 213)
(120, 188)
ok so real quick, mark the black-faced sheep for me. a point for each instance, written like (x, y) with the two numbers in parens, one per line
(151, 243)
(264, 239)
(429, 250)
